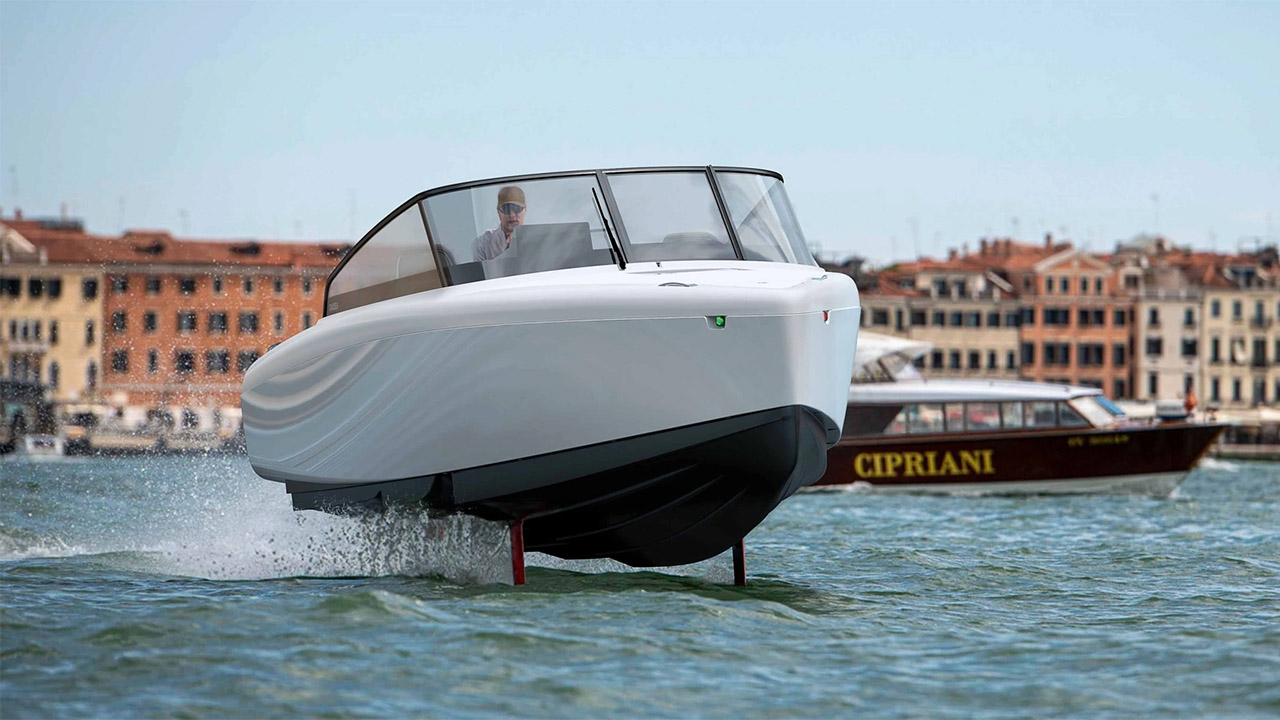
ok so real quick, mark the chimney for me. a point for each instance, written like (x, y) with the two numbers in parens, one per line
(1048, 240)
(64, 211)
(982, 247)
(952, 254)
(17, 213)
(966, 249)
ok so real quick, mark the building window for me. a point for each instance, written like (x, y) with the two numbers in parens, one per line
(35, 287)
(118, 321)
(975, 360)
(1058, 317)
(306, 287)
(91, 375)
(245, 358)
(1118, 318)
(1188, 318)
(217, 284)
(218, 323)
(306, 320)
(1097, 286)
(879, 316)
(956, 319)
(1215, 389)
(89, 288)
(973, 319)
(1237, 310)
(919, 318)
(1153, 385)
(277, 284)
(1057, 353)
(1090, 354)
(936, 358)
(184, 361)
(1013, 319)
(939, 318)
(1048, 286)
(279, 321)
(54, 373)
(1235, 390)
(1189, 347)
(153, 361)
(953, 359)
(1028, 354)
(186, 321)
(991, 360)
(1117, 355)
(217, 361)
(119, 284)
(1010, 360)
(53, 332)
(1117, 389)
(11, 286)
(248, 285)
(248, 322)
(1065, 283)
(187, 285)
(1153, 317)
(120, 361)
(150, 321)
(1215, 350)
(993, 319)
(88, 332)
(153, 285)
(1155, 346)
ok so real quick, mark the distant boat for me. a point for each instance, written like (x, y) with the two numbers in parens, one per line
(905, 433)
(39, 446)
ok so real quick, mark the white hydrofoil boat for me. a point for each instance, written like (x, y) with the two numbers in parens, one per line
(637, 364)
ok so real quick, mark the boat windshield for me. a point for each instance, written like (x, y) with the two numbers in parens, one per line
(1094, 410)
(540, 223)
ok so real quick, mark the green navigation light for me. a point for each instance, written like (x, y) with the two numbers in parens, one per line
(719, 321)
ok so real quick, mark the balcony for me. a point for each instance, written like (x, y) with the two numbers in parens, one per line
(1259, 322)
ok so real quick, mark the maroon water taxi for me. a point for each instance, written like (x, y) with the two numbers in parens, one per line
(904, 433)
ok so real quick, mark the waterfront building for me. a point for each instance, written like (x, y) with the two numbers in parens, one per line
(150, 327)
(51, 306)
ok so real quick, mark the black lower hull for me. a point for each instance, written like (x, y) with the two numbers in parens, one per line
(666, 498)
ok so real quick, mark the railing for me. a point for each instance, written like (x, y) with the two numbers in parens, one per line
(1260, 323)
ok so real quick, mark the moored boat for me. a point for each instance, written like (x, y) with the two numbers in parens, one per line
(636, 364)
(904, 433)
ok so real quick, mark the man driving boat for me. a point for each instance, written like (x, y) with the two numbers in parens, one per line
(492, 243)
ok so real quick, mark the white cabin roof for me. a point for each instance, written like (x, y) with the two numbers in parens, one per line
(907, 392)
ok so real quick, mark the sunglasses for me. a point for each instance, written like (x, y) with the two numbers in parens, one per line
(510, 208)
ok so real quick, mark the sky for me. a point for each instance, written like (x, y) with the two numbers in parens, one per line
(902, 128)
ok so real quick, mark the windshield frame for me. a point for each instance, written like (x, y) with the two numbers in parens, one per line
(615, 219)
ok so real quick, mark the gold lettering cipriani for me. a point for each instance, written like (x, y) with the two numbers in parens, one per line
(924, 464)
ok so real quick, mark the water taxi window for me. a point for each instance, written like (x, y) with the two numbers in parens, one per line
(955, 417)
(898, 425)
(1068, 417)
(762, 216)
(1093, 411)
(396, 261)
(519, 227)
(982, 416)
(924, 418)
(1040, 414)
(1012, 413)
(670, 216)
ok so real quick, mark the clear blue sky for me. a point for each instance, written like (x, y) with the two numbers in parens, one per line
(900, 127)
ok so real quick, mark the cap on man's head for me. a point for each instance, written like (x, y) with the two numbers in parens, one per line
(511, 194)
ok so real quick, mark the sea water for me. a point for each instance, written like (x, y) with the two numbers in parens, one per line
(187, 587)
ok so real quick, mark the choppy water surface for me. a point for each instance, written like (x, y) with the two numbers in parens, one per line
(187, 587)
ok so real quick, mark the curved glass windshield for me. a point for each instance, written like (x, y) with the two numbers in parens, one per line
(763, 219)
(514, 228)
(542, 223)
(670, 216)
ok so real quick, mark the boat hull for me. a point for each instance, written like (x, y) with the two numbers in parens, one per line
(665, 498)
(1140, 459)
